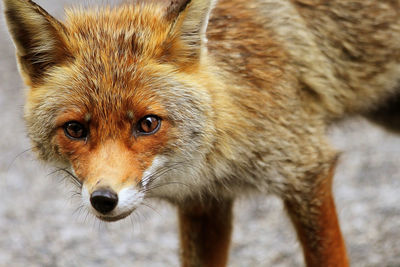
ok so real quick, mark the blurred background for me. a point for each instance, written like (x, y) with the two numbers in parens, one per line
(40, 224)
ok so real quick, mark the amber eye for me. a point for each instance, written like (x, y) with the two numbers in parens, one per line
(75, 130)
(149, 124)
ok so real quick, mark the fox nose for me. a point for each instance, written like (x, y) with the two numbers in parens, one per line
(104, 200)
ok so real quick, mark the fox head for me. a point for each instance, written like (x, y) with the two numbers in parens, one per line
(112, 97)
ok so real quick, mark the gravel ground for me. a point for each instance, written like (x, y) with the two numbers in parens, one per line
(40, 224)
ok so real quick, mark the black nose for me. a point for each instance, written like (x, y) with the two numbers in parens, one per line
(104, 200)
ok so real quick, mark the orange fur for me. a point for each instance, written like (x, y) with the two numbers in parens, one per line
(329, 248)
(244, 94)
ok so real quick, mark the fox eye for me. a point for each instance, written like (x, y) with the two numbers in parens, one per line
(75, 130)
(149, 125)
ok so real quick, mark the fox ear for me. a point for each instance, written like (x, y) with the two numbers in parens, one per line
(38, 37)
(190, 19)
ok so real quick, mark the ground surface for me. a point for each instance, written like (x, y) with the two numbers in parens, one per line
(39, 227)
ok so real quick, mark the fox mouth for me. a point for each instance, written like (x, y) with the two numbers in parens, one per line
(111, 218)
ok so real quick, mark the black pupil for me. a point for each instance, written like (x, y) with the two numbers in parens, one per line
(149, 123)
(75, 130)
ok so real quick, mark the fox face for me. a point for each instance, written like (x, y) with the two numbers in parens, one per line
(112, 99)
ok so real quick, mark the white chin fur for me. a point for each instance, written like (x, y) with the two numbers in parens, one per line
(128, 200)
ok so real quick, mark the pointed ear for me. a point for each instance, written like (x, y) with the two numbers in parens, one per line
(190, 19)
(39, 38)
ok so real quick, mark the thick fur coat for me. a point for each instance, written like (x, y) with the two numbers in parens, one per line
(244, 92)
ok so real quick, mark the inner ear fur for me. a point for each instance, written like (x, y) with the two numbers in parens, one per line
(39, 38)
(190, 19)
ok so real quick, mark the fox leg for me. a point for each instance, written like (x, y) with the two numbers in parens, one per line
(205, 233)
(315, 219)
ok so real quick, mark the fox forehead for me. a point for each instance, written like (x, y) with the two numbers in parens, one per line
(115, 60)
(129, 31)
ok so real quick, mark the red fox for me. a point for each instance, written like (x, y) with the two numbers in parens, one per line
(197, 102)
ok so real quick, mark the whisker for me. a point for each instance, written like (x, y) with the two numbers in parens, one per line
(76, 194)
(147, 205)
(86, 216)
(161, 171)
(161, 185)
(151, 177)
(140, 219)
(74, 179)
(136, 222)
(78, 210)
(131, 220)
(15, 158)
(155, 175)
(101, 225)
(64, 178)
(53, 172)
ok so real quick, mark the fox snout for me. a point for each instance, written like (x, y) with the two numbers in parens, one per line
(108, 204)
(111, 180)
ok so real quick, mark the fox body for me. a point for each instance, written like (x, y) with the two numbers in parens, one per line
(197, 102)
